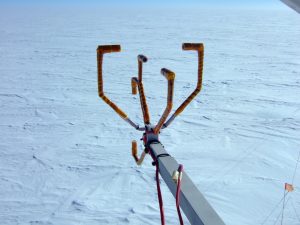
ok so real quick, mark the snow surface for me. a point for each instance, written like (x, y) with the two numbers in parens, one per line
(65, 155)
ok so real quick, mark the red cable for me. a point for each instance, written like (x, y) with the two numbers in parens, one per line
(160, 200)
(159, 195)
(161, 207)
(180, 168)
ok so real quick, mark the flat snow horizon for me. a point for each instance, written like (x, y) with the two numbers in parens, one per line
(65, 156)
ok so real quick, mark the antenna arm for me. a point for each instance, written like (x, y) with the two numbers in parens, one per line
(199, 47)
(101, 50)
(170, 76)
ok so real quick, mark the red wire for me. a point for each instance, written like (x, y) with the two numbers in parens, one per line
(160, 200)
(159, 195)
(180, 168)
(161, 207)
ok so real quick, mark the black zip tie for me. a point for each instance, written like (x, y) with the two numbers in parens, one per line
(157, 157)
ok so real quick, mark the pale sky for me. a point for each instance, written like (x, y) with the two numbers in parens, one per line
(263, 3)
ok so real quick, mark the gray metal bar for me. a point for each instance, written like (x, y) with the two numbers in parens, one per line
(192, 202)
(294, 4)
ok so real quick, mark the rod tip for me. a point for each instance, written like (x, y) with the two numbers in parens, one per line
(193, 46)
(134, 148)
(108, 48)
(142, 58)
(168, 74)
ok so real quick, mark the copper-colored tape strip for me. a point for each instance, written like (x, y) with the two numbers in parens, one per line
(133, 86)
(140, 70)
(141, 159)
(108, 48)
(144, 105)
(141, 59)
(134, 153)
(114, 106)
(100, 51)
(198, 88)
(193, 46)
(168, 109)
(138, 81)
(134, 150)
(168, 74)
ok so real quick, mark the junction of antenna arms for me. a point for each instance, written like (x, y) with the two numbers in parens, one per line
(151, 131)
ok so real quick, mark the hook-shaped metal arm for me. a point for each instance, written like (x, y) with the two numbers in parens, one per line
(101, 50)
(199, 47)
(141, 59)
(170, 76)
(137, 83)
(134, 153)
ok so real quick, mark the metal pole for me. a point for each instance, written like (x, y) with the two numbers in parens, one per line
(192, 202)
(294, 4)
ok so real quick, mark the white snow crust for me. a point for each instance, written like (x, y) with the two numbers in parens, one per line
(65, 155)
